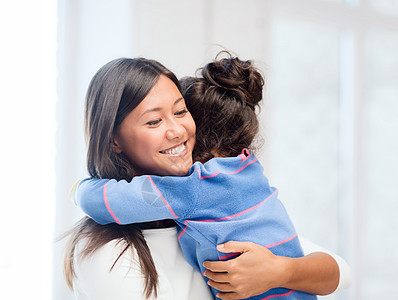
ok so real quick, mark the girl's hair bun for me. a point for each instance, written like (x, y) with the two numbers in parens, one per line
(222, 100)
(240, 79)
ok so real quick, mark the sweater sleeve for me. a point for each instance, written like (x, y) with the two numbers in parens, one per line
(144, 199)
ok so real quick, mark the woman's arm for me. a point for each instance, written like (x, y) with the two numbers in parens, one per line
(344, 269)
(257, 270)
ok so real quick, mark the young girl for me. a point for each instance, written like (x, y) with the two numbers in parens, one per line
(223, 197)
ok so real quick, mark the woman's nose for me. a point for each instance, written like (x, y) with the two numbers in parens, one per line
(175, 129)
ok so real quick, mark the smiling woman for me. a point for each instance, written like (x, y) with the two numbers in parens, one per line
(158, 136)
(136, 121)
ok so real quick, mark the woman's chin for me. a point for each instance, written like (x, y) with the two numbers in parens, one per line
(179, 168)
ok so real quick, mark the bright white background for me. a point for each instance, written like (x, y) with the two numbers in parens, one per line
(329, 121)
(27, 122)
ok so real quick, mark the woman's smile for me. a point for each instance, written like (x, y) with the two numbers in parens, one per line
(158, 136)
(178, 150)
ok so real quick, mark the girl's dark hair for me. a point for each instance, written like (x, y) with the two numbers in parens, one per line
(115, 90)
(222, 101)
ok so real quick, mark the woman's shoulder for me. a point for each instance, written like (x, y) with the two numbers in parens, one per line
(177, 279)
(99, 277)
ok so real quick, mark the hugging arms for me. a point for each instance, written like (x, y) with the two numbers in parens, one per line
(137, 123)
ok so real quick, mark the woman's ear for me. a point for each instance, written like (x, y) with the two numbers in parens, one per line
(116, 145)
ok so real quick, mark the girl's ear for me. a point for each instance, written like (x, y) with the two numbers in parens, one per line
(116, 145)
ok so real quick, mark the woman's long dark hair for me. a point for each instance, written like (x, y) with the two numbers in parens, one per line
(115, 90)
(223, 102)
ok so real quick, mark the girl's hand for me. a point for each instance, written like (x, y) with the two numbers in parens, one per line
(254, 272)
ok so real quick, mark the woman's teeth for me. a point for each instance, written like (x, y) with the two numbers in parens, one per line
(175, 151)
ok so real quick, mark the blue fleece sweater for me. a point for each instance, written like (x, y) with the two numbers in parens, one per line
(225, 199)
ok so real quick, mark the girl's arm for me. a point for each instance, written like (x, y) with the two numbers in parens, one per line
(257, 270)
(144, 199)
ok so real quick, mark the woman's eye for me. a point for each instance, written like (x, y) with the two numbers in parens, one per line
(153, 123)
(181, 112)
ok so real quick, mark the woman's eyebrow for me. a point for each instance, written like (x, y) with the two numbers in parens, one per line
(178, 100)
(159, 108)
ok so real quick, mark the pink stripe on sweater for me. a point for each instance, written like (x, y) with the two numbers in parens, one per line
(161, 196)
(231, 173)
(240, 213)
(229, 217)
(229, 255)
(107, 205)
(182, 232)
(243, 155)
(280, 295)
(281, 242)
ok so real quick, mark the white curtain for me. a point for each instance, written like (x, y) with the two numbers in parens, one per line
(328, 124)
